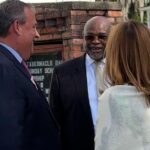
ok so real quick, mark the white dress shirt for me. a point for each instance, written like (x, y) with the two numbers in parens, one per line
(14, 53)
(123, 121)
(91, 82)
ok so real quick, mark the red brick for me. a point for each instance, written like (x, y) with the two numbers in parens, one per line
(66, 25)
(115, 14)
(68, 21)
(64, 13)
(48, 48)
(75, 54)
(77, 41)
(57, 36)
(65, 42)
(52, 14)
(65, 55)
(66, 48)
(76, 48)
(77, 12)
(119, 19)
(48, 30)
(77, 34)
(112, 20)
(61, 28)
(96, 13)
(39, 10)
(39, 17)
(44, 37)
(66, 34)
(76, 27)
(77, 20)
(60, 21)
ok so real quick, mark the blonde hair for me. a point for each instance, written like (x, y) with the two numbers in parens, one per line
(128, 56)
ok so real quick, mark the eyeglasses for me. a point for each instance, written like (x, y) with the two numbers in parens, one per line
(99, 36)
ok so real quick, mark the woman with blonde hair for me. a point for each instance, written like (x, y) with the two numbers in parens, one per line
(123, 121)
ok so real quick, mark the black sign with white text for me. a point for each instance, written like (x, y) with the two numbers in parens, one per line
(41, 67)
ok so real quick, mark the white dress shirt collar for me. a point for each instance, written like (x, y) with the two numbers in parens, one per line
(90, 61)
(12, 51)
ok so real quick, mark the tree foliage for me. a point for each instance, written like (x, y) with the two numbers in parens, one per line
(134, 12)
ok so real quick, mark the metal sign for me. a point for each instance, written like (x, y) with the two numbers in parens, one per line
(41, 67)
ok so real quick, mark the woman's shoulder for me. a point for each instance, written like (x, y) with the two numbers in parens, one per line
(118, 89)
(122, 90)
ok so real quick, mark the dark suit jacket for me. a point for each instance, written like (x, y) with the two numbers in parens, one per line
(70, 104)
(26, 122)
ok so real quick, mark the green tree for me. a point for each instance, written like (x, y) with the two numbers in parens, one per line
(134, 12)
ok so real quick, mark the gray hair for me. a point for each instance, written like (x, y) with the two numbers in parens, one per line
(11, 10)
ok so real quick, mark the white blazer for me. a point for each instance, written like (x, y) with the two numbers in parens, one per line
(123, 121)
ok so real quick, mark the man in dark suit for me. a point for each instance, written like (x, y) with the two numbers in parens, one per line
(26, 121)
(73, 96)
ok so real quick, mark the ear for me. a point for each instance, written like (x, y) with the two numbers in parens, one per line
(17, 27)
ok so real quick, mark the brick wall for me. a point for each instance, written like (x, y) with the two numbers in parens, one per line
(61, 25)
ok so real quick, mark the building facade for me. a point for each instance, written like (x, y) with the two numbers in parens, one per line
(61, 26)
(145, 11)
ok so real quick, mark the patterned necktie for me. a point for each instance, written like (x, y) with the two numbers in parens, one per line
(99, 79)
(31, 77)
(26, 67)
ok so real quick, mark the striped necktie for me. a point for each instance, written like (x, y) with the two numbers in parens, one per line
(26, 67)
(99, 79)
(31, 77)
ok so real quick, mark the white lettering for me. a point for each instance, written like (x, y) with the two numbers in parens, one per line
(45, 63)
(36, 71)
(38, 78)
(48, 70)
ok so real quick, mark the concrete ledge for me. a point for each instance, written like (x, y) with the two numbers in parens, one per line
(81, 5)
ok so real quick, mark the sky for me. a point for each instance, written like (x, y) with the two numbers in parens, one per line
(46, 1)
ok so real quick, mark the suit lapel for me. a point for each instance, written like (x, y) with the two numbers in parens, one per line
(81, 85)
(23, 70)
(7, 54)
